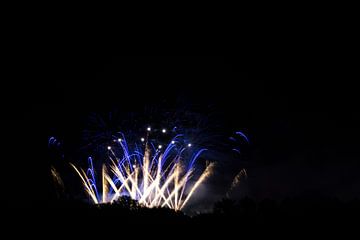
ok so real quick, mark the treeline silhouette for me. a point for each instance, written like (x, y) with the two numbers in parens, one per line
(245, 216)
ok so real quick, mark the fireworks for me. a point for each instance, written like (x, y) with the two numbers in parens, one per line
(236, 181)
(155, 177)
(154, 169)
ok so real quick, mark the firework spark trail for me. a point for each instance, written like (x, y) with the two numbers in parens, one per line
(88, 187)
(236, 181)
(208, 171)
(243, 135)
(57, 180)
(154, 180)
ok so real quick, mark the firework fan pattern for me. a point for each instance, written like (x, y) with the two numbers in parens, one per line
(155, 176)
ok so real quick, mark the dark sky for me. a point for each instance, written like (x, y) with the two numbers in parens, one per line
(293, 96)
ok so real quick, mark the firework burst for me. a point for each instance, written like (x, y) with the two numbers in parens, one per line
(154, 176)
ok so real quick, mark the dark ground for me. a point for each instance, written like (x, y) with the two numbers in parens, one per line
(296, 217)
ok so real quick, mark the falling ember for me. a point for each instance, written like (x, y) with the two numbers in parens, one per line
(154, 178)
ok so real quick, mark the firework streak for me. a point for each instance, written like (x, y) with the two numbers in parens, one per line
(153, 177)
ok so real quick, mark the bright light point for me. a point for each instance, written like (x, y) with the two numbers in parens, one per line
(148, 129)
(109, 148)
(142, 139)
(189, 145)
(134, 166)
(164, 130)
(172, 142)
(119, 139)
(160, 146)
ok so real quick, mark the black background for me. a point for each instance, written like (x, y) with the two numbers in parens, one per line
(290, 88)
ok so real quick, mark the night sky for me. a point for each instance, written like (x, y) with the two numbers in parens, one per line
(293, 99)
